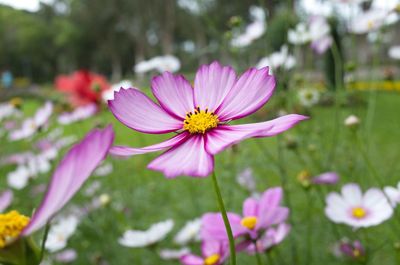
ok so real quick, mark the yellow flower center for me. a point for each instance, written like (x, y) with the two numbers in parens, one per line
(359, 212)
(211, 260)
(200, 121)
(16, 102)
(370, 25)
(11, 225)
(249, 222)
(356, 253)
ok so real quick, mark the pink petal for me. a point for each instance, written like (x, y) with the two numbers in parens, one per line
(273, 216)
(250, 207)
(191, 260)
(210, 247)
(213, 227)
(226, 135)
(71, 173)
(188, 158)
(5, 200)
(212, 83)
(250, 92)
(139, 112)
(129, 151)
(174, 93)
(269, 201)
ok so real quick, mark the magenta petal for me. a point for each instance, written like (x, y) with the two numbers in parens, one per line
(210, 247)
(174, 93)
(129, 151)
(213, 227)
(268, 204)
(188, 158)
(250, 92)
(139, 112)
(226, 135)
(250, 207)
(191, 260)
(273, 217)
(5, 200)
(71, 173)
(212, 83)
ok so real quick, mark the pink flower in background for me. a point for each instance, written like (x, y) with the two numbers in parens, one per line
(199, 115)
(321, 39)
(68, 177)
(327, 178)
(6, 198)
(350, 249)
(393, 194)
(258, 215)
(271, 237)
(355, 209)
(212, 253)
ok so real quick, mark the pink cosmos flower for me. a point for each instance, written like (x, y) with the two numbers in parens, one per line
(69, 176)
(326, 178)
(272, 237)
(6, 198)
(354, 250)
(213, 253)
(200, 116)
(258, 215)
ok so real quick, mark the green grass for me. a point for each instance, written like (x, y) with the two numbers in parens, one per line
(144, 197)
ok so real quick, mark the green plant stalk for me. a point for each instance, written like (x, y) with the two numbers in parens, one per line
(225, 217)
(339, 85)
(257, 255)
(282, 173)
(42, 248)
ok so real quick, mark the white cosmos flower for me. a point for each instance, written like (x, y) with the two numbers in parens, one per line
(394, 52)
(253, 31)
(356, 209)
(351, 121)
(164, 63)
(170, 254)
(368, 21)
(7, 110)
(104, 170)
(190, 232)
(33, 124)
(137, 238)
(60, 232)
(300, 35)
(393, 194)
(79, 114)
(109, 93)
(277, 60)
(308, 97)
(18, 179)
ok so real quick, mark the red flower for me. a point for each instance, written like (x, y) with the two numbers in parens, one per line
(83, 87)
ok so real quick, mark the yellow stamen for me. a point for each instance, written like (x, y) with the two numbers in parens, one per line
(249, 222)
(359, 212)
(16, 102)
(11, 226)
(356, 253)
(200, 121)
(211, 260)
(370, 25)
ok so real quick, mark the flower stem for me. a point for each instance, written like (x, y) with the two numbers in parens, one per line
(225, 217)
(258, 258)
(46, 233)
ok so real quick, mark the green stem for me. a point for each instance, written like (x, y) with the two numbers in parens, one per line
(225, 217)
(258, 258)
(42, 248)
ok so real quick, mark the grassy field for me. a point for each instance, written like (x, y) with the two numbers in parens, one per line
(140, 197)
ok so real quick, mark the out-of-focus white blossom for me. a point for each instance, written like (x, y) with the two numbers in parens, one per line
(190, 232)
(164, 63)
(137, 238)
